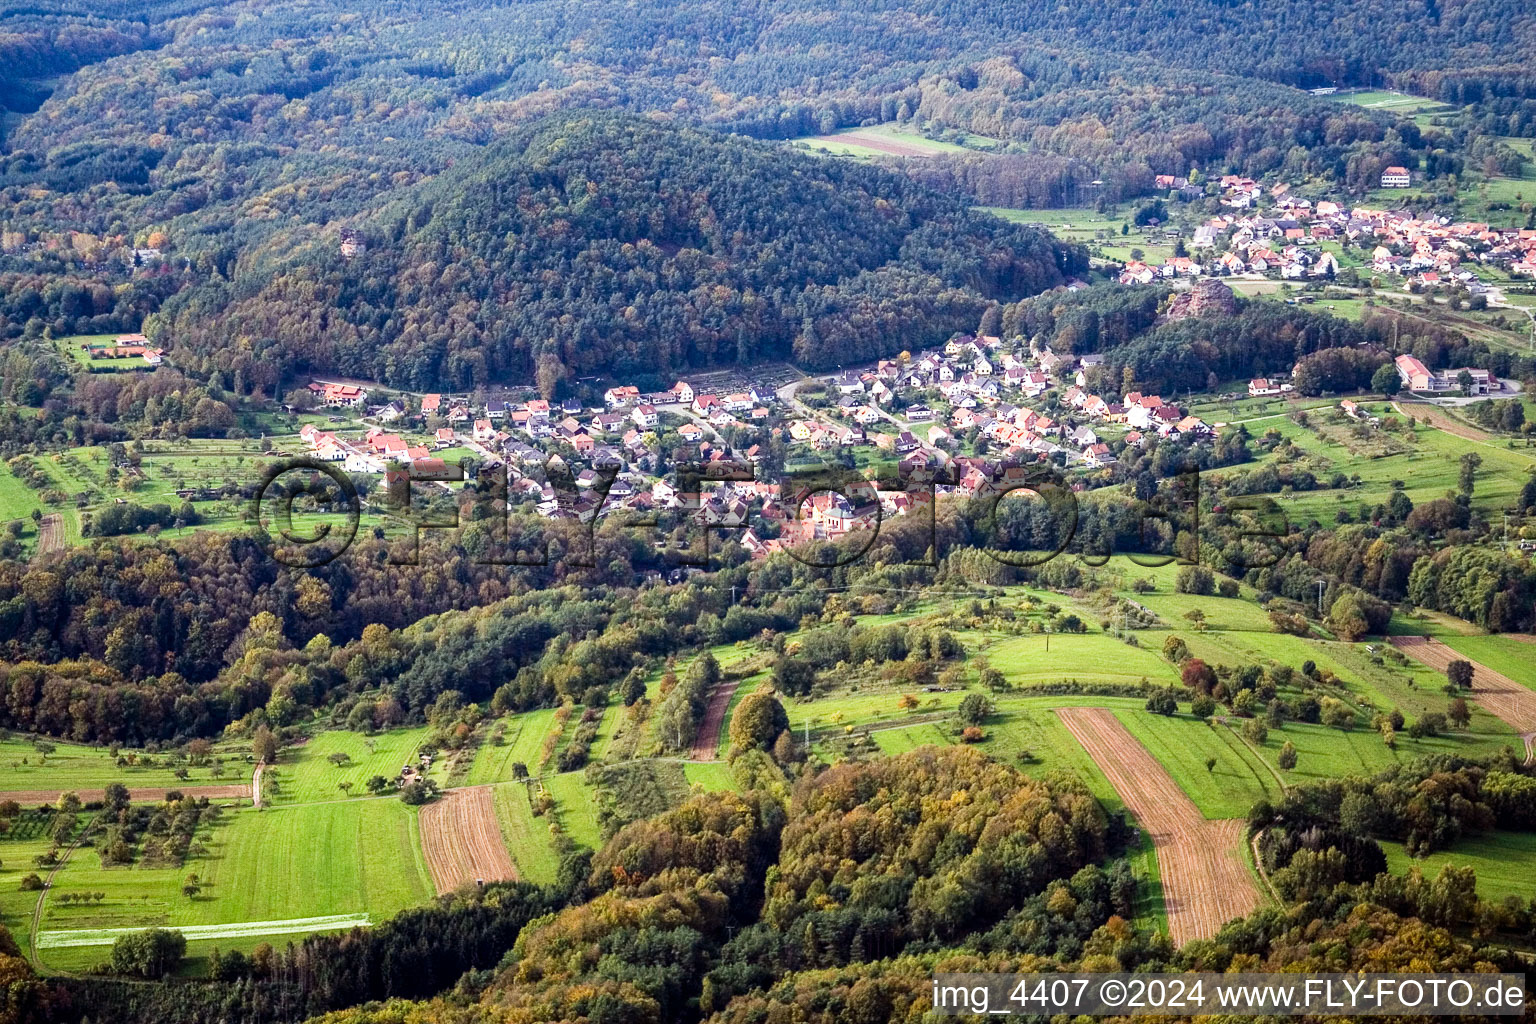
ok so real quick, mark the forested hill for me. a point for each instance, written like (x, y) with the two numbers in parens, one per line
(592, 243)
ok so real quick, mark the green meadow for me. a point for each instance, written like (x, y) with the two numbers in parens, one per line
(1502, 861)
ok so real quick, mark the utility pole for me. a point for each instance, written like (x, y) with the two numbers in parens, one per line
(1320, 585)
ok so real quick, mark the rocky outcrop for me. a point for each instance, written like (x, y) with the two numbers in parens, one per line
(1209, 297)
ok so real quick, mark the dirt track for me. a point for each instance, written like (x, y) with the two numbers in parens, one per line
(706, 743)
(462, 841)
(32, 797)
(50, 534)
(1501, 696)
(1426, 413)
(1206, 882)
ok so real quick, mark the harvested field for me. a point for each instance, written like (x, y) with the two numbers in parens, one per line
(1500, 695)
(879, 143)
(462, 839)
(706, 744)
(50, 534)
(151, 794)
(1205, 880)
(1433, 415)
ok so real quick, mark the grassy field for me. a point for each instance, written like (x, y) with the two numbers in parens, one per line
(522, 743)
(1182, 744)
(1094, 657)
(576, 808)
(359, 857)
(306, 774)
(1428, 465)
(526, 834)
(71, 348)
(1502, 861)
(70, 766)
(711, 778)
(1089, 226)
(1398, 102)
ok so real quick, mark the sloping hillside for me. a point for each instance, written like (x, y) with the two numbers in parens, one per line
(596, 243)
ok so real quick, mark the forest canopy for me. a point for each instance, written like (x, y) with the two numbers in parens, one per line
(604, 243)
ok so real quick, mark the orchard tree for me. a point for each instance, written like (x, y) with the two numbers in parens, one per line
(758, 721)
(974, 709)
(1347, 618)
(1287, 756)
(1386, 381)
(264, 745)
(1460, 672)
(1198, 676)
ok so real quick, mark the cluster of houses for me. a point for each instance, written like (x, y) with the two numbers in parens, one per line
(1283, 240)
(126, 346)
(984, 385)
(375, 452)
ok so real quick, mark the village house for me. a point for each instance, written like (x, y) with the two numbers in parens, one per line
(338, 396)
(850, 384)
(1396, 177)
(1261, 387)
(625, 394)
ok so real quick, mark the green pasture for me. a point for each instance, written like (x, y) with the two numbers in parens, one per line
(522, 742)
(576, 808)
(526, 834)
(837, 143)
(1085, 657)
(1502, 861)
(1428, 469)
(306, 773)
(1182, 744)
(710, 777)
(272, 865)
(71, 766)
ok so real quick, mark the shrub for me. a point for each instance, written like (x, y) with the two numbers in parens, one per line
(1195, 579)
